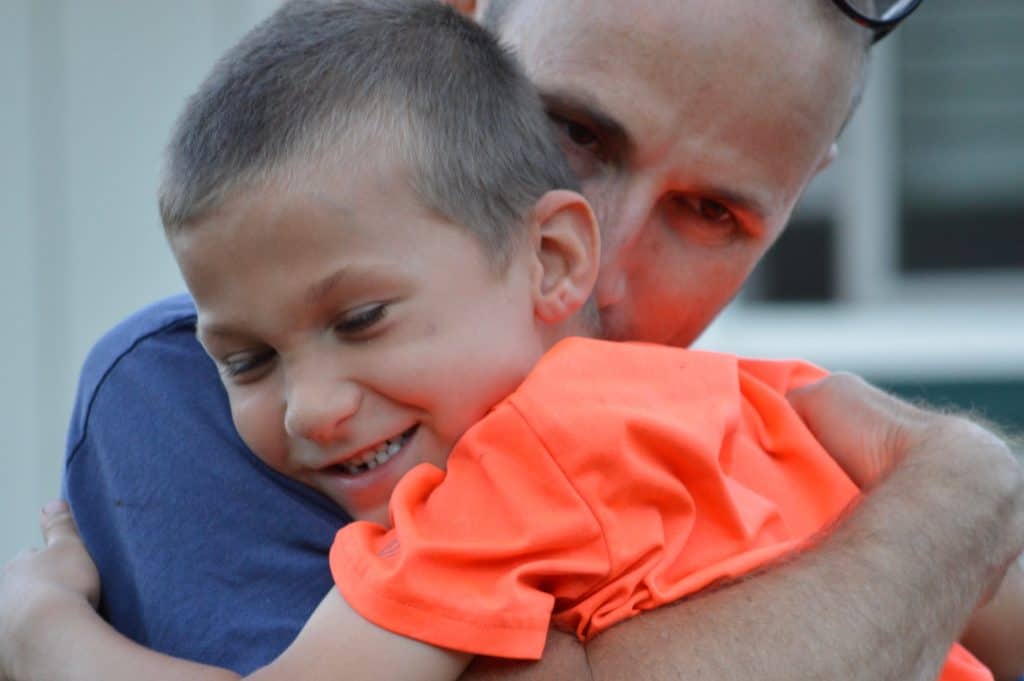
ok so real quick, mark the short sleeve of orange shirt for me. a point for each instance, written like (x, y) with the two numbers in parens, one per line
(619, 477)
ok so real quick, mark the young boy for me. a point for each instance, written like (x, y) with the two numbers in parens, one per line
(383, 243)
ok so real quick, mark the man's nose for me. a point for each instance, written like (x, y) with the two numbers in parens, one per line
(320, 406)
(625, 225)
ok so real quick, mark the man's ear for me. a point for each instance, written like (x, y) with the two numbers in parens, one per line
(828, 158)
(567, 246)
(465, 7)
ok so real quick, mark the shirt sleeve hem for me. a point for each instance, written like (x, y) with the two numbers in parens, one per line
(520, 640)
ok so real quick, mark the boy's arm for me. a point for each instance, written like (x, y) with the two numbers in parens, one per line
(52, 631)
(337, 643)
(564, 658)
(883, 595)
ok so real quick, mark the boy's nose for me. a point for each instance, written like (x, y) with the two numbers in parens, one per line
(319, 409)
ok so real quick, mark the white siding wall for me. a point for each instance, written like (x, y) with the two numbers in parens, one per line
(89, 90)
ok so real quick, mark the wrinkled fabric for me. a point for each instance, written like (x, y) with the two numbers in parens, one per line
(618, 478)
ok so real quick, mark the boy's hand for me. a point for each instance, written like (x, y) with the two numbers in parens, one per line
(38, 582)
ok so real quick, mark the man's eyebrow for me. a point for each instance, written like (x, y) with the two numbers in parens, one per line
(746, 203)
(578, 106)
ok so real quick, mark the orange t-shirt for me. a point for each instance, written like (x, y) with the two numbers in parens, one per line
(617, 478)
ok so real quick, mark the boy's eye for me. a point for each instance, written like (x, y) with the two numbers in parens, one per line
(245, 364)
(361, 319)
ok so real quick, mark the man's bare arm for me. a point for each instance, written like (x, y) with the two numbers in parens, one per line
(996, 632)
(882, 596)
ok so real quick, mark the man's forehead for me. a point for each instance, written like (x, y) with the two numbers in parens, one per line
(734, 91)
(567, 33)
(653, 72)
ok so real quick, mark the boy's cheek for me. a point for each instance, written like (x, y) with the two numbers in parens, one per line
(261, 426)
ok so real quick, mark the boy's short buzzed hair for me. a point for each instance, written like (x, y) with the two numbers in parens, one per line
(411, 77)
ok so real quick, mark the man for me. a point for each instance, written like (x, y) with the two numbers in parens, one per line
(694, 126)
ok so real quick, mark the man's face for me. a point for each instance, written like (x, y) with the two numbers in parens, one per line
(694, 127)
(357, 333)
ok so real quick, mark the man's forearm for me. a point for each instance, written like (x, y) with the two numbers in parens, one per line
(883, 596)
(996, 632)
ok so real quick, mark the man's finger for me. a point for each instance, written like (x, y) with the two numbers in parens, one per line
(57, 523)
(859, 425)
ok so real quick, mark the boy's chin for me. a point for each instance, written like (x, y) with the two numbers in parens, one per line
(378, 516)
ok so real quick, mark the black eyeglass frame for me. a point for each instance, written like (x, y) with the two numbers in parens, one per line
(880, 27)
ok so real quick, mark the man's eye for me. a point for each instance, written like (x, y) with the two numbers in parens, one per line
(361, 319)
(713, 211)
(708, 220)
(243, 364)
(708, 209)
(583, 146)
(579, 134)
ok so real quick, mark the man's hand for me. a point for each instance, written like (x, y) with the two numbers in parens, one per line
(869, 433)
(996, 632)
(37, 583)
(865, 430)
(63, 565)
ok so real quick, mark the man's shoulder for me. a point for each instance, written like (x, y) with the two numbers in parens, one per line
(151, 349)
(575, 367)
(585, 364)
(169, 320)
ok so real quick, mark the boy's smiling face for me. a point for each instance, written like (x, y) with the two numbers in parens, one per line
(350, 323)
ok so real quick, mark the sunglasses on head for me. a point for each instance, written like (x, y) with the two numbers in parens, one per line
(881, 16)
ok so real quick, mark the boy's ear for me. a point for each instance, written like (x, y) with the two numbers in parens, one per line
(465, 7)
(567, 245)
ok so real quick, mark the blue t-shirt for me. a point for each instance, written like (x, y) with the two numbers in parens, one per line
(204, 551)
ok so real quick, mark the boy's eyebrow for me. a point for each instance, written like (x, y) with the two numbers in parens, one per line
(323, 288)
(312, 296)
(209, 331)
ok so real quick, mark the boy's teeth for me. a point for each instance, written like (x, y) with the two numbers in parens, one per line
(374, 457)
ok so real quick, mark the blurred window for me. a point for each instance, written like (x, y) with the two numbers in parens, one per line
(961, 69)
(950, 139)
